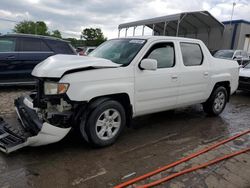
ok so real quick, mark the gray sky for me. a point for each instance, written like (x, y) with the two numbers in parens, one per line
(71, 16)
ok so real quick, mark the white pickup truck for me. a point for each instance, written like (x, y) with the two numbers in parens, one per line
(121, 79)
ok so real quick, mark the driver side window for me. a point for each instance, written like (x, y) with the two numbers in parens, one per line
(163, 53)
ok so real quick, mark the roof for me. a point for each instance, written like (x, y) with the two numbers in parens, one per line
(149, 37)
(236, 22)
(190, 22)
(33, 36)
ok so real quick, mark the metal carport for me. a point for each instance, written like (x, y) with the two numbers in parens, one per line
(199, 24)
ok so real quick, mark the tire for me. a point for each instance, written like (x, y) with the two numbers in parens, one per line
(216, 102)
(105, 123)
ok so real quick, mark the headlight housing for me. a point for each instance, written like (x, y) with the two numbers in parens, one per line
(53, 88)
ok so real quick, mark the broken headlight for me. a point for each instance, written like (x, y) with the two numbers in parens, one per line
(53, 88)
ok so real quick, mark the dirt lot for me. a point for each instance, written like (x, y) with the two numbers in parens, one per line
(154, 141)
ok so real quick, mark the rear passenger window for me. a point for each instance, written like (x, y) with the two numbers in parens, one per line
(7, 45)
(191, 54)
(163, 53)
(44, 47)
(60, 47)
(28, 44)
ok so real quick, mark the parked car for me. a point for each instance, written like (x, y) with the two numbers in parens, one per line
(122, 79)
(20, 53)
(244, 79)
(85, 50)
(240, 56)
(213, 52)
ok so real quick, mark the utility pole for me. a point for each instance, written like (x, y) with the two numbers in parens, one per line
(36, 28)
(232, 14)
(231, 27)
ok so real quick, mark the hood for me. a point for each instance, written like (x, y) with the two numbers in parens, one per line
(244, 72)
(55, 66)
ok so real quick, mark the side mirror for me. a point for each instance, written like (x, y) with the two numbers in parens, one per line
(148, 64)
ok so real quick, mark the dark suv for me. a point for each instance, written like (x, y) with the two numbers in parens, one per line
(20, 53)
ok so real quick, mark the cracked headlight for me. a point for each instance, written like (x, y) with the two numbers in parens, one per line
(53, 88)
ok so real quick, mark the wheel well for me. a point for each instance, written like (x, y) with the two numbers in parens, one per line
(124, 99)
(225, 84)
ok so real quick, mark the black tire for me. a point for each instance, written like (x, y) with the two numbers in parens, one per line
(91, 124)
(210, 105)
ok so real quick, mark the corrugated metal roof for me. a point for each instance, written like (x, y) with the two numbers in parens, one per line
(189, 22)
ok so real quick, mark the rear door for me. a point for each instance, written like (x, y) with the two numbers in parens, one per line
(8, 58)
(194, 75)
(31, 52)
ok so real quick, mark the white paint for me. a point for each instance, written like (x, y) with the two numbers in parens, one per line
(48, 134)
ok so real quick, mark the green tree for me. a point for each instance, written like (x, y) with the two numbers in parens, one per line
(30, 27)
(93, 36)
(56, 33)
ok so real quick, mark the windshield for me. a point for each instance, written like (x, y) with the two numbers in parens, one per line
(120, 51)
(247, 66)
(224, 54)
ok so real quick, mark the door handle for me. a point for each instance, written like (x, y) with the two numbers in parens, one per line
(10, 57)
(174, 77)
(205, 73)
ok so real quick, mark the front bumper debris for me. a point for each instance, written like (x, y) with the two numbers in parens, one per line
(31, 131)
(11, 138)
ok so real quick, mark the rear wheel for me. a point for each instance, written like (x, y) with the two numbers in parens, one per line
(105, 123)
(216, 102)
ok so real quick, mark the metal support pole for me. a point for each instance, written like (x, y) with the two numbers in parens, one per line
(126, 32)
(119, 31)
(143, 30)
(177, 30)
(134, 31)
(153, 32)
(178, 24)
(208, 37)
(165, 27)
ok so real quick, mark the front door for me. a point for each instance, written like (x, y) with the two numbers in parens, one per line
(9, 58)
(157, 90)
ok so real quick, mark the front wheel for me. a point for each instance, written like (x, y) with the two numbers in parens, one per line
(216, 102)
(105, 123)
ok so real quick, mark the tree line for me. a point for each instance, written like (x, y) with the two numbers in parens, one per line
(88, 37)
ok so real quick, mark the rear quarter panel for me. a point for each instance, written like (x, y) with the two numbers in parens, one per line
(225, 70)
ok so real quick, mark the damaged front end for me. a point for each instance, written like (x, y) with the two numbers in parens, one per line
(44, 119)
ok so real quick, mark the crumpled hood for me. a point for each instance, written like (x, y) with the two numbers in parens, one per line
(245, 72)
(55, 66)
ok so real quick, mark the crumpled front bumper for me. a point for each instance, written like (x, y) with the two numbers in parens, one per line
(34, 131)
(46, 133)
